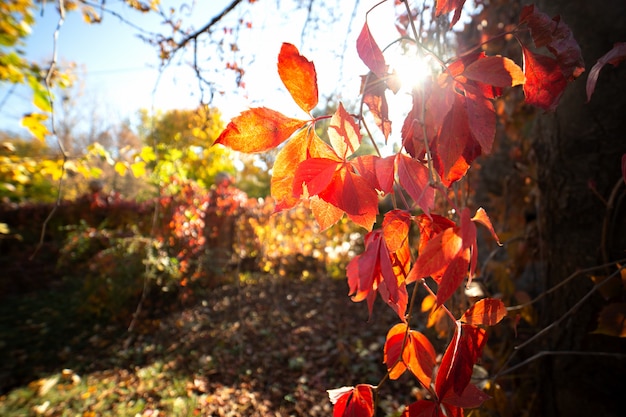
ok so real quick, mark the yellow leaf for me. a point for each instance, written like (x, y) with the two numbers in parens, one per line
(139, 169)
(147, 154)
(34, 123)
(120, 168)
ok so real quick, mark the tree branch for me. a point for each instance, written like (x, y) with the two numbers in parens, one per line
(217, 18)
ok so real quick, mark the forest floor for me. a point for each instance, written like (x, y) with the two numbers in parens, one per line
(266, 347)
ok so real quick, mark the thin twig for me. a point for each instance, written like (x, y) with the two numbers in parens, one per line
(48, 81)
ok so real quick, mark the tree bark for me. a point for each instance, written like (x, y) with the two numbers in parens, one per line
(579, 148)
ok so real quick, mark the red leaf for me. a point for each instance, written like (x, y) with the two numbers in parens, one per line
(458, 361)
(487, 311)
(351, 193)
(352, 401)
(437, 254)
(370, 53)
(258, 129)
(545, 82)
(454, 135)
(377, 171)
(616, 55)
(378, 269)
(396, 224)
(316, 173)
(422, 408)
(413, 176)
(374, 97)
(496, 71)
(299, 76)
(343, 133)
(482, 123)
(416, 354)
(446, 6)
(453, 276)
(471, 397)
(557, 37)
(429, 226)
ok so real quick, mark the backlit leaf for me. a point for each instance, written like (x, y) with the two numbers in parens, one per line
(138, 169)
(496, 71)
(413, 352)
(458, 361)
(555, 35)
(545, 82)
(299, 76)
(396, 224)
(343, 133)
(487, 311)
(436, 255)
(34, 122)
(285, 165)
(413, 176)
(446, 6)
(370, 53)
(482, 218)
(375, 99)
(120, 168)
(455, 273)
(258, 129)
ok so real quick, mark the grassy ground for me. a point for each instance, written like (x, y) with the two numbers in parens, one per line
(266, 347)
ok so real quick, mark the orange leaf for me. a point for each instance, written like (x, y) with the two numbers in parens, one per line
(299, 76)
(343, 133)
(416, 353)
(396, 224)
(488, 312)
(438, 253)
(325, 213)
(286, 163)
(258, 130)
(482, 218)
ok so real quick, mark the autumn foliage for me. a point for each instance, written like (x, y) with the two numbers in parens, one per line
(452, 121)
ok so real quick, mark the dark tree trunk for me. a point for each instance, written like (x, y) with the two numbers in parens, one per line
(579, 146)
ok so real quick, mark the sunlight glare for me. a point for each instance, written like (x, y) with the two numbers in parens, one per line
(412, 70)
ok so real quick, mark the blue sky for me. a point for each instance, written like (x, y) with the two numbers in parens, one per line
(121, 70)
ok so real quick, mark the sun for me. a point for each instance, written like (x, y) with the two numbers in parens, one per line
(412, 69)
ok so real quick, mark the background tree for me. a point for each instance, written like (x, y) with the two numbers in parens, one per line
(183, 140)
(578, 150)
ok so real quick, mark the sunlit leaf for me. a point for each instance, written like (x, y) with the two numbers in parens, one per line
(299, 76)
(138, 169)
(121, 168)
(488, 312)
(446, 6)
(409, 349)
(495, 70)
(258, 129)
(370, 53)
(396, 224)
(545, 82)
(34, 122)
(352, 401)
(343, 133)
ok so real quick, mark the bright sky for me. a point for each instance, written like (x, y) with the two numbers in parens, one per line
(121, 70)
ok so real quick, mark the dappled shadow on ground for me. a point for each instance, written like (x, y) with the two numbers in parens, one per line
(264, 347)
